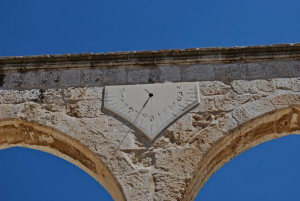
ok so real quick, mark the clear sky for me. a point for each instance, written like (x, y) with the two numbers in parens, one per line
(34, 27)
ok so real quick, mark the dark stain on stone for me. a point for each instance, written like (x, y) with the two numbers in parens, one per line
(2, 76)
(151, 80)
(41, 96)
(92, 65)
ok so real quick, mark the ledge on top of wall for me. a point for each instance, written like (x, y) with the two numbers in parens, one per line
(160, 57)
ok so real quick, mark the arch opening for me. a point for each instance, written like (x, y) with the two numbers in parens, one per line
(28, 174)
(17, 133)
(268, 171)
(264, 128)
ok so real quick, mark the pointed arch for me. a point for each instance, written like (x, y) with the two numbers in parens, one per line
(268, 126)
(16, 132)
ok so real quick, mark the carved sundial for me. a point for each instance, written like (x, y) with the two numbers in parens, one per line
(151, 107)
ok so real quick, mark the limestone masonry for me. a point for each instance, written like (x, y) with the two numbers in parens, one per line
(247, 95)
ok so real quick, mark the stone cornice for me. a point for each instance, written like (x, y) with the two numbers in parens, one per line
(149, 58)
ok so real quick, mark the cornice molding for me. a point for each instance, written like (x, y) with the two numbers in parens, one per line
(214, 55)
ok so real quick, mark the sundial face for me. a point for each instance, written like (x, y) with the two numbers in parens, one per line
(151, 107)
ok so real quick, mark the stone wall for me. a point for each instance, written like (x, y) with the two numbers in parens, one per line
(54, 104)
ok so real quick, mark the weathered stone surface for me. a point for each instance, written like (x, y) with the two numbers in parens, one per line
(71, 78)
(114, 76)
(54, 104)
(170, 73)
(87, 93)
(278, 69)
(242, 86)
(100, 77)
(138, 185)
(168, 187)
(279, 101)
(198, 72)
(85, 108)
(284, 84)
(253, 70)
(183, 158)
(50, 79)
(52, 96)
(92, 77)
(258, 107)
(18, 96)
(295, 65)
(143, 76)
(240, 115)
(27, 79)
(229, 102)
(227, 72)
(213, 88)
(295, 82)
(266, 85)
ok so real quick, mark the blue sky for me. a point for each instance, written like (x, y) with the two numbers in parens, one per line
(35, 27)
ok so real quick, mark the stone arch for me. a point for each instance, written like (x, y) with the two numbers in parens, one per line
(279, 122)
(16, 132)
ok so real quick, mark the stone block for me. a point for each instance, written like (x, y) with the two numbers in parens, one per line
(143, 76)
(266, 85)
(138, 185)
(12, 96)
(278, 69)
(19, 96)
(100, 77)
(231, 101)
(182, 158)
(52, 96)
(259, 107)
(295, 82)
(97, 126)
(295, 65)
(8, 111)
(279, 101)
(293, 99)
(244, 86)
(33, 95)
(240, 115)
(92, 77)
(208, 88)
(227, 72)
(70, 78)
(168, 187)
(198, 73)
(228, 123)
(206, 104)
(114, 76)
(85, 108)
(283, 83)
(16, 80)
(170, 73)
(86, 93)
(24, 80)
(50, 79)
(93, 93)
(73, 93)
(253, 70)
